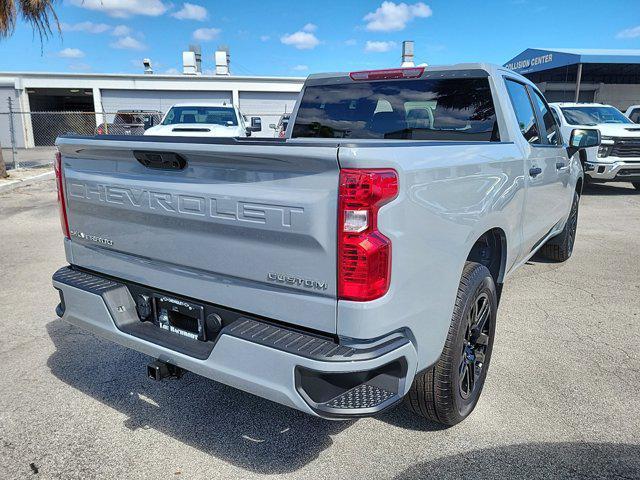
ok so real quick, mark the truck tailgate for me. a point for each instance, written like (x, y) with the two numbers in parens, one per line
(246, 225)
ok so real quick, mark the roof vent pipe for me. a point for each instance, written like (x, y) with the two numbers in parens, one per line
(407, 54)
(221, 58)
(189, 64)
(197, 49)
(148, 70)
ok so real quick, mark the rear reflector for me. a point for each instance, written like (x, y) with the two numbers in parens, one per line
(62, 206)
(364, 254)
(390, 74)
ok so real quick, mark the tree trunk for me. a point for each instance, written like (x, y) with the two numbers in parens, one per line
(3, 167)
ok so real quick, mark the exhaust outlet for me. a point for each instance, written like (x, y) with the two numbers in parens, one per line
(159, 370)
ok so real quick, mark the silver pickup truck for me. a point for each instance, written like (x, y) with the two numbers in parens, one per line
(354, 263)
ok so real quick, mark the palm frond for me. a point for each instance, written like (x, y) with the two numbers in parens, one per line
(39, 13)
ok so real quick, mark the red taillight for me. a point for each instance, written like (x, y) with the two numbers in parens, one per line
(62, 206)
(364, 254)
(389, 74)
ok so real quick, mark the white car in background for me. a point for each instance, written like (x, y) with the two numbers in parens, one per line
(204, 120)
(617, 159)
(633, 113)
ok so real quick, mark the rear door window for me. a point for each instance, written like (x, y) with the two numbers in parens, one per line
(524, 111)
(422, 109)
(552, 130)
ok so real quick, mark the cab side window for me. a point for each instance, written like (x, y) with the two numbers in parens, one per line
(552, 130)
(524, 111)
(635, 115)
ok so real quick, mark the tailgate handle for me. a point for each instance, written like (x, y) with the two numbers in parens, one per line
(161, 160)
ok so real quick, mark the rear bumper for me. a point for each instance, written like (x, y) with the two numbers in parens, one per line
(293, 368)
(616, 171)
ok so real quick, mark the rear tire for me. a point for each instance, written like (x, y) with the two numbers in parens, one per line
(560, 247)
(636, 185)
(448, 392)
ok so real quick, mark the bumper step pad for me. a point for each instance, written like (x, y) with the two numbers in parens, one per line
(362, 396)
(84, 281)
(305, 344)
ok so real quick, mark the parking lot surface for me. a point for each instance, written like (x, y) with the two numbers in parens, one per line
(561, 399)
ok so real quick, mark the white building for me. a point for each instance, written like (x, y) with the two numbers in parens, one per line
(265, 97)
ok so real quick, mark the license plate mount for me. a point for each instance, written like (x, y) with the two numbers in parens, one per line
(180, 317)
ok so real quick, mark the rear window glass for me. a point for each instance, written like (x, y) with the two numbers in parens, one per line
(438, 109)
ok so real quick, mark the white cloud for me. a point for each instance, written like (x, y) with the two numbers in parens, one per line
(265, 38)
(87, 27)
(206, 34)
(379, 47)
(172, 71)
(121, 31)
(71, 53)
(390, 17)
(310, 27)
(351, 42)
(300, 68)
(629, 33)
(189, 11)
(128, 43)
(124, 8)
(301, 40)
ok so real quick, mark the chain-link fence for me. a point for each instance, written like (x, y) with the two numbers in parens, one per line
(28, 138)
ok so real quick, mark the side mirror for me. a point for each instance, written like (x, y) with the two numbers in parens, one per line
(256, 124)
(248, 131)
(583, 138)
(149, 121)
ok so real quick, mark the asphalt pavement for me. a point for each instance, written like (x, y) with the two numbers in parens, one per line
(561, 399)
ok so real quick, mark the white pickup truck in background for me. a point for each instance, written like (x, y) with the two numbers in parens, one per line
(617, 159)
(217, 119)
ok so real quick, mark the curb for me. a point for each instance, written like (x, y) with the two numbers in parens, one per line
(13, 184)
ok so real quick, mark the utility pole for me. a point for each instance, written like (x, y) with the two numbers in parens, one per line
(12, 130)
(578, 81)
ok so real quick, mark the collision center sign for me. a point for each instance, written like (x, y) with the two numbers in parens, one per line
(536, 60)
(530, 62)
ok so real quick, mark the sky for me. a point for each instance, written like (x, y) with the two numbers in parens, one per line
(298, 37)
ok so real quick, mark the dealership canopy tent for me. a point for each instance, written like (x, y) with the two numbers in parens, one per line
(577, 72)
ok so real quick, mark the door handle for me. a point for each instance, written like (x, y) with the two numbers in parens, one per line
(535, 171)
(560, 165)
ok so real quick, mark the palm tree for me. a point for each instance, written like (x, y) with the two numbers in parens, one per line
(40, 14)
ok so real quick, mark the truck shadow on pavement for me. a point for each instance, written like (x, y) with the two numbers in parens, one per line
(609, 189)
(535, 461)
(240, 428)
